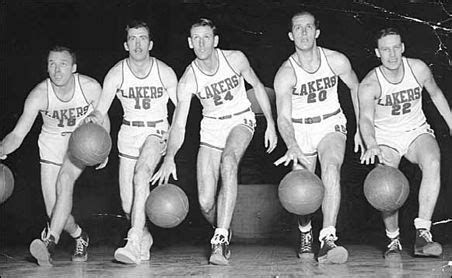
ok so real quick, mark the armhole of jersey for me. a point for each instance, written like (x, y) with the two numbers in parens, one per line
(326, 61)
(227, 62)
(158, 72)
(122, 75)
(412, 72)
(47, 95)
(196, 80)
(294, 71)
(81, 90)
(379, 82)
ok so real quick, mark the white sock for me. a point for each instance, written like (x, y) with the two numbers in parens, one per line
(77, 232)
(305, 228)
(330, 230)
(220, 236)
(393, 234)
(422, 224)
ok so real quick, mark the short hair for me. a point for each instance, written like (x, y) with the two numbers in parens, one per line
(60, 48)
(134, 24)
(304, 12)
(201, 22)
(386, 32)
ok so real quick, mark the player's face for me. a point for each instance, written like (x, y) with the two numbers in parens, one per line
(138, 43)
(304, 32)
(202, 41)
(60, 67)
(390, 50)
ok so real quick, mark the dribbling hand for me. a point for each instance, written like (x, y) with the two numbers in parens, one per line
(167, 169)
(294, 154)
(369, 155)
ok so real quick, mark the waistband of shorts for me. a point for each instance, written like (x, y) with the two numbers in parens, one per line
(141, 123)
(230, 115)
(316, 119)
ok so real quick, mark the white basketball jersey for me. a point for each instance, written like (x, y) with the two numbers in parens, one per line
(315, 93)
(142, 99)
(399, 106)
(63, 117)
(223, 92)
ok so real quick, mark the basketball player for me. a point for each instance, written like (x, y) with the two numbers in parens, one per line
(312, 125)
(217, 77)
(64, 100)
(143, 84)
(393, 125)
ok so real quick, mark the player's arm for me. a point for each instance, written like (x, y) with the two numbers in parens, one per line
(169, 80)
(342, 67)
(284, 84)
(36, 101)
(185, 89)
(93, 92)
(240, 62)
(111, 83)
(436, 94)
(369, 90)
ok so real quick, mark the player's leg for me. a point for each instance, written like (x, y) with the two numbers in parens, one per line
(236, 144)
(391, 157)
(424, 151)
(150, 155)
(126, 170)
(304, 248)
(331, 155)
(41, 249)
(208, 165)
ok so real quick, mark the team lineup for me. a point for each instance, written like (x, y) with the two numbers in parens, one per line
(387, 105)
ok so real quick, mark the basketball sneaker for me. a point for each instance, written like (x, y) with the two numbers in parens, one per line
(330, 252)
(80, 253)
(42, 249)
(305, 246)
(130, 254)
(220, 254)
(424, 245)
(394, 249)
(145, 245)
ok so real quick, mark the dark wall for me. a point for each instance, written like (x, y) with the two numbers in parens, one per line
(258, 28)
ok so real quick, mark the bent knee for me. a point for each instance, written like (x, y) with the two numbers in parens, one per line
(206, 204)
(229, 162)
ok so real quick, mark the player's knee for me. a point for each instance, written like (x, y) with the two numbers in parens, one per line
(431, 163)
(331, 171)
(65, 183)
(229, 163)
(126, 206)
(206, 204)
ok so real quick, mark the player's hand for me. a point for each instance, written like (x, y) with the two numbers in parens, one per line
(3, 155)
(94, 117)
(167, 169)
(359, 146)
(294, 154)
(270, 140)
(103, 164)
(370, 154)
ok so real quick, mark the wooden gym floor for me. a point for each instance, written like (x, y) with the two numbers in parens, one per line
(257, 259)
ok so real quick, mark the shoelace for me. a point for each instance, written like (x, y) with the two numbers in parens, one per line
(80, 245)
(425, 234)
(306, 242)
(395, 244)
(329, 241)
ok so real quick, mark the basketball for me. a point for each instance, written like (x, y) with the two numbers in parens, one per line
(6, 183)
(301, 192)
(167, 206)
(386, 188)
(90, 144)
